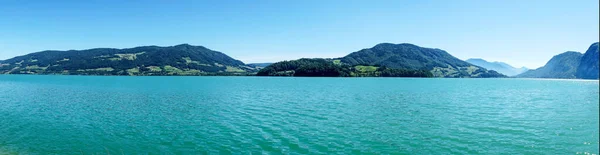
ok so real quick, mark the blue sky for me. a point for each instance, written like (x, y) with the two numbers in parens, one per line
(519, 32)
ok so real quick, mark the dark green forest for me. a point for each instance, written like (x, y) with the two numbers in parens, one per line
(146, 60)
(382, 60)
(412, 57)
(327, 68)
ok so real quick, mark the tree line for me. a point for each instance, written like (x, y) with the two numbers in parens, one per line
(326, 68)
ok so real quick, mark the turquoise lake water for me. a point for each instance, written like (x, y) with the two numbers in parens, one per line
(241, 115)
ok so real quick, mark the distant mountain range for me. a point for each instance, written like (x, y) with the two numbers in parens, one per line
(181, 59)
(500, 67)
(385, 59)
(259, 65)
(569, 65)
(381, 59)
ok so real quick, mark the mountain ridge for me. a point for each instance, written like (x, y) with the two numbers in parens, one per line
(500, 67)
(383, 59)
(410, 56)
(562, 65)
(589, 63)
(569, 65)
(182, 59)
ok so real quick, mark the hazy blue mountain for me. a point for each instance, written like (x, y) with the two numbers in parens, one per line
(560, 66)
(500, 67)
(588, 66)
(259, 65)
(181, 59)
(409, 56)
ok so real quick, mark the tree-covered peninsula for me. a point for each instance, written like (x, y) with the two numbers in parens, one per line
(332, 68)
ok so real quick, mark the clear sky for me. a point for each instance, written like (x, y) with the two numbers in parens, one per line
(519, 32)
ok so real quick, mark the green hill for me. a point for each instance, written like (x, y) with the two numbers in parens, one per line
(181, 59)
(560, 66)
(329, 68)
(304, 67)
(396, 60)
(409, 56)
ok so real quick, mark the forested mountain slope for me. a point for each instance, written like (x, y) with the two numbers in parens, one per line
(181, 59)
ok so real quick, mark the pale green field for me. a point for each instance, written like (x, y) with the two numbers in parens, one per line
(108, 69)
(337, 62)
(172, 69)
(233, 69)
(154, 68)
(188, 60)
(124, 56)
(36, 67)
(366, 68)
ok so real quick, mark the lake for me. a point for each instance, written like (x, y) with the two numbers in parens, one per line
(285, 115)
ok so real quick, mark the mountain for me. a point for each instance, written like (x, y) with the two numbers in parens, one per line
(181, 59)
(588, 66)
(560, 66)
(385, 59)
(333, 68)
(259, 65)
(409, 56)
(303, 67)
(500, 67)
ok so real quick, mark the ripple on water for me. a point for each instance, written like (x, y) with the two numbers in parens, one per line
(224, 115)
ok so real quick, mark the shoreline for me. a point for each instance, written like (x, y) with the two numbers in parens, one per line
(550, 79)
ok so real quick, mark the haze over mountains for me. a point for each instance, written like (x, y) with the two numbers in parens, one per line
(569, 65)
(500, 67)
(259, 65)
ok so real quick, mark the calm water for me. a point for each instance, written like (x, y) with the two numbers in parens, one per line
(199, 115)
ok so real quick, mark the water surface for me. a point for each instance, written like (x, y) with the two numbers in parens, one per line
(212, 115)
